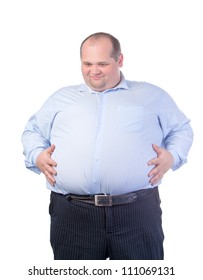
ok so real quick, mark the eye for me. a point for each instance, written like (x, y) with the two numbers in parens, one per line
(87, 64)
(103, 64)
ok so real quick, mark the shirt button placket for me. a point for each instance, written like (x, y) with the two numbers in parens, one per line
(99, 130)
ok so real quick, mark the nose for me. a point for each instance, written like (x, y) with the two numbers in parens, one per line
(95, 70)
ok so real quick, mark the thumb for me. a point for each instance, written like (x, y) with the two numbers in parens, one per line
(156, 148)
(51, 149)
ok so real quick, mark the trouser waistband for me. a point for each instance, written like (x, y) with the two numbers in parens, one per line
(110, 200)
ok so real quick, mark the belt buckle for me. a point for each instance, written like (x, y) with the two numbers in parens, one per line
(103, 200)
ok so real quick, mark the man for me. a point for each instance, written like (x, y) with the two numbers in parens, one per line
(104, 147)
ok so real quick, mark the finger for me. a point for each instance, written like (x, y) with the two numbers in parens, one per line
(50, 178)
(154, 171)
(153, 161)
(155, 179)
(53, 163)
(51, 170)
(51, 182)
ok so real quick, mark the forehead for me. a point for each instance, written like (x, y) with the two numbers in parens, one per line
(97, 47)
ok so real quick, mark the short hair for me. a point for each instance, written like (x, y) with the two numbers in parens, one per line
(116, 48)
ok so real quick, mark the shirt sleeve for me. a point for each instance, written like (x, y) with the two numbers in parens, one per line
(177, 132)
(36, 135)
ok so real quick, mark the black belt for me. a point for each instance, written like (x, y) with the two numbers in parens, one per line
(109, 200)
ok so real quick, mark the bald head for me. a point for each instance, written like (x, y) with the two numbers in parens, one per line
(115, 44)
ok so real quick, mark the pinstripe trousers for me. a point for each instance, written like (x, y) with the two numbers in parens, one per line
(130, 231)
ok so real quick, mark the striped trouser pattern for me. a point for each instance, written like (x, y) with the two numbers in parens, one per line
(130, 231)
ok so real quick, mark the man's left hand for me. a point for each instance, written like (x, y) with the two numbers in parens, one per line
(162, 163)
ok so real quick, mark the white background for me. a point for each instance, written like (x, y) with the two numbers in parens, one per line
(39, 53)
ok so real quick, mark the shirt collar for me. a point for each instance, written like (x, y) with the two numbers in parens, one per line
(122, 85)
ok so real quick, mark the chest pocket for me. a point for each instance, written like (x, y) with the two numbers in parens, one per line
(130, 118)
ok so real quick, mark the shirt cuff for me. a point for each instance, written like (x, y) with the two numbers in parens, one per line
(31, 164)
(178, 162)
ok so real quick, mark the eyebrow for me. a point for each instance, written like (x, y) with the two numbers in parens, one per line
(100, 62)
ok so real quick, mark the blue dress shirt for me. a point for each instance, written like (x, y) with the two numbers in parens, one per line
(104, 139)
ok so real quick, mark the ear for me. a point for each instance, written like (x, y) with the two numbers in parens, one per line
(120, 60)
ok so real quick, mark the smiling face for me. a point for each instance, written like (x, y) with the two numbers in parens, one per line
(99, 69)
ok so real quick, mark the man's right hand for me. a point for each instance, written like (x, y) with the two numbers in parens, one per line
(46, 164)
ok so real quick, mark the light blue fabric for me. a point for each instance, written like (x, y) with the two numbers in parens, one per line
(104, 139)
